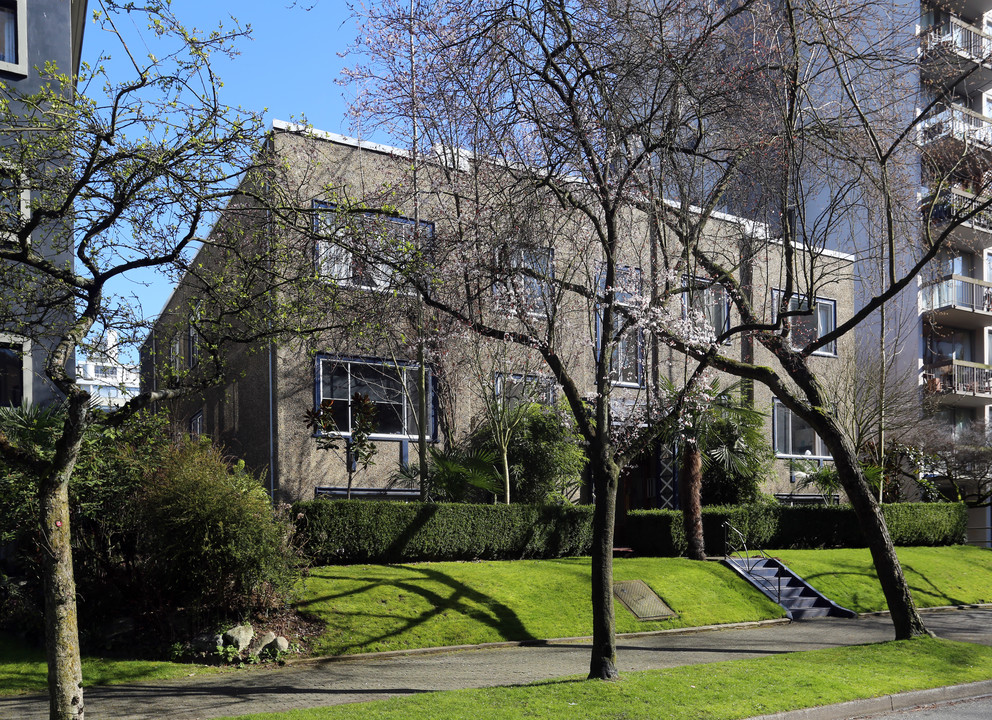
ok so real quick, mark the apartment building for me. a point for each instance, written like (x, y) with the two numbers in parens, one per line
(31, 34)
(258, 414)
(954, 306)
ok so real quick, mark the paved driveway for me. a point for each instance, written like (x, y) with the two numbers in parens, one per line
(330, 682)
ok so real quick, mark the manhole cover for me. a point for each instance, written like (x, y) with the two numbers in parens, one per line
(641, 600)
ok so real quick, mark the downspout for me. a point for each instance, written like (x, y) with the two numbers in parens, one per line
(272, 469)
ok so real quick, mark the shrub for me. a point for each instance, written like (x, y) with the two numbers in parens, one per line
(209, 533)
(545, 455)
(767, 525)
(352, 531)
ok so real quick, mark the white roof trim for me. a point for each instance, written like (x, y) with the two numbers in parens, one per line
(339, 139)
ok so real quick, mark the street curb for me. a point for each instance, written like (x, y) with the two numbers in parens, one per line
(938, 608)
(886, 703)
(526, 643)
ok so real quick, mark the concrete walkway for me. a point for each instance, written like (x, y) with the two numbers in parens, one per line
(359, 679)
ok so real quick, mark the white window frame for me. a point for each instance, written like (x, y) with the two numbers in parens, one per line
(192, 345)
(336, 263)
(25, 197)
(828, 350)
(703, 285)
(20, 67)
(27, 375)
(820, 451)
(325, 363)
(196, 424)
(546, 388)
(535, 296)
(176, 352)
(623, 343)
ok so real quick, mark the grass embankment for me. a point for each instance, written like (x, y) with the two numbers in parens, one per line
(23, 669)
(716, 691)
(370, 608)
(957, 575)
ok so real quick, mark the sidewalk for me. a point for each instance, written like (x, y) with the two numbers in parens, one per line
(363, 678)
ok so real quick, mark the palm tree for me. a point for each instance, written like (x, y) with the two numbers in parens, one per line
(714, 426)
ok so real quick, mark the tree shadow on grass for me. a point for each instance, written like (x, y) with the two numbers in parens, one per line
(450, 595)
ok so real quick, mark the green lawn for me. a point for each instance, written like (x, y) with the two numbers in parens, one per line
(375, 607)
(958, 575)
(716, 691)
(23, 669)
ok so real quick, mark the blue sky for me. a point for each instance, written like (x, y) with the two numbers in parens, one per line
(289, 68)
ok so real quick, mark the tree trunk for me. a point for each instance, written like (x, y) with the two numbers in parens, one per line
(690, 498)
(506, 475)
(905, 617)
(605, 477)
(65, 675)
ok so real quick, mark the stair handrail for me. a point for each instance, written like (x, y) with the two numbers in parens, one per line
(747, 561)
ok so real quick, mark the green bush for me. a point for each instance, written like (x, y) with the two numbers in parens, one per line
(767, 525)
(209, 533)
(545, 455)
(354, 531)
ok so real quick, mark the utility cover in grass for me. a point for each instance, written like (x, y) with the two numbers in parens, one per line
(642, 600)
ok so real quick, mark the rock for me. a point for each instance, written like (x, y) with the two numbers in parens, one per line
(208, 642)
(260, 643)
(279, 645)
(239, 636)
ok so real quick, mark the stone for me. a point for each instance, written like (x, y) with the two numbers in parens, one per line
(279, 645)
(239, 636)
(260, 643)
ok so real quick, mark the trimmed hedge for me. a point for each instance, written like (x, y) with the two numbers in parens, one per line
(659, 532)
(357, 531)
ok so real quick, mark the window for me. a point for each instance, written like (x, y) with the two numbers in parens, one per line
(391, 386)
(13, 36)
(812, 325)
(794, 437)
(709, 300)
(176, 353)
(11, 374)
(531, 290)
(627, 362)
(105, 371)
(196, 425)
(343, 240)
(14, 201)
(193, 344)
(526, 388)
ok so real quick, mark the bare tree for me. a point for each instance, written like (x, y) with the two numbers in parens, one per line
(120, 176)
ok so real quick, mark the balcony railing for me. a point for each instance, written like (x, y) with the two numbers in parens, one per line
(961, 36)
(958, 377)
(954, 203)
(958, 122)
(957, 291)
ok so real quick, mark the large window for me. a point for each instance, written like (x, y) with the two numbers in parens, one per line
(627, 361)
(709, 301)
(13, 36)
(794, 437)
(13, 205)
(11, 374)
(518, 387)
(530, 284)
(392, 387)
(355, 249)
(808, 325)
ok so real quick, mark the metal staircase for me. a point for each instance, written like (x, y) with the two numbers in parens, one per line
(800, 600)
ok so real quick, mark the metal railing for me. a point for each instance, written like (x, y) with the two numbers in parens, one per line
(962, 36)
(738, 549)
(959, 377)
(958, 122)
(957, 291)
(953, 203)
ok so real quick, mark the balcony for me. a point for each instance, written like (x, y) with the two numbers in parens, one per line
(957, 382)
(958, 301)
(956, 49)
(973, 234)
(955, 128)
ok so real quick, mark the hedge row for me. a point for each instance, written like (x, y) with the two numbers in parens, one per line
(354, 531)
(659, 532)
